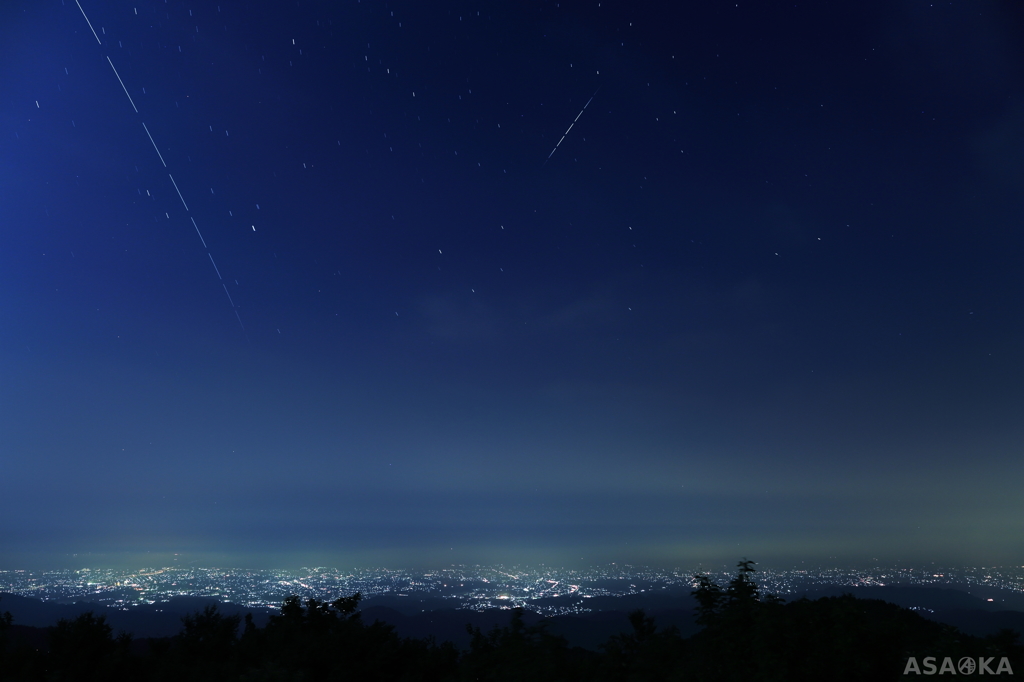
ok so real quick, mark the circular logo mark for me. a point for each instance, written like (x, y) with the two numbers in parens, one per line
(966, 666)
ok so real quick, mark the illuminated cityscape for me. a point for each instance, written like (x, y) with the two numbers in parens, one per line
(544, 590)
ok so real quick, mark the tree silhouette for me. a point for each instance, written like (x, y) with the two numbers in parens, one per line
(5, 625)
(328, 641)
(84, 648)
(519, 652)
(206, 645)
(645, 653)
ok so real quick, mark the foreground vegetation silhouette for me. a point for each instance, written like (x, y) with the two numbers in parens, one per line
(745, 636)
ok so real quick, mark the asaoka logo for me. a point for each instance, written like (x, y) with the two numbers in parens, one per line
(965, 666)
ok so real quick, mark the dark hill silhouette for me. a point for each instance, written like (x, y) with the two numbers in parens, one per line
(446, 625)
(907, 596)
(162, 619)
(587, 630)
(970, 614)
(412, 604)
(979, 623)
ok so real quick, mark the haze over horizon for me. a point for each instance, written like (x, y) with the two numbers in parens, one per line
(344, 290)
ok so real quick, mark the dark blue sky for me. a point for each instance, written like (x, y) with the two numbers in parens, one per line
(763, 300)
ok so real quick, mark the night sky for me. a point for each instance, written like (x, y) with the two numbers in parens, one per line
(763, 300)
